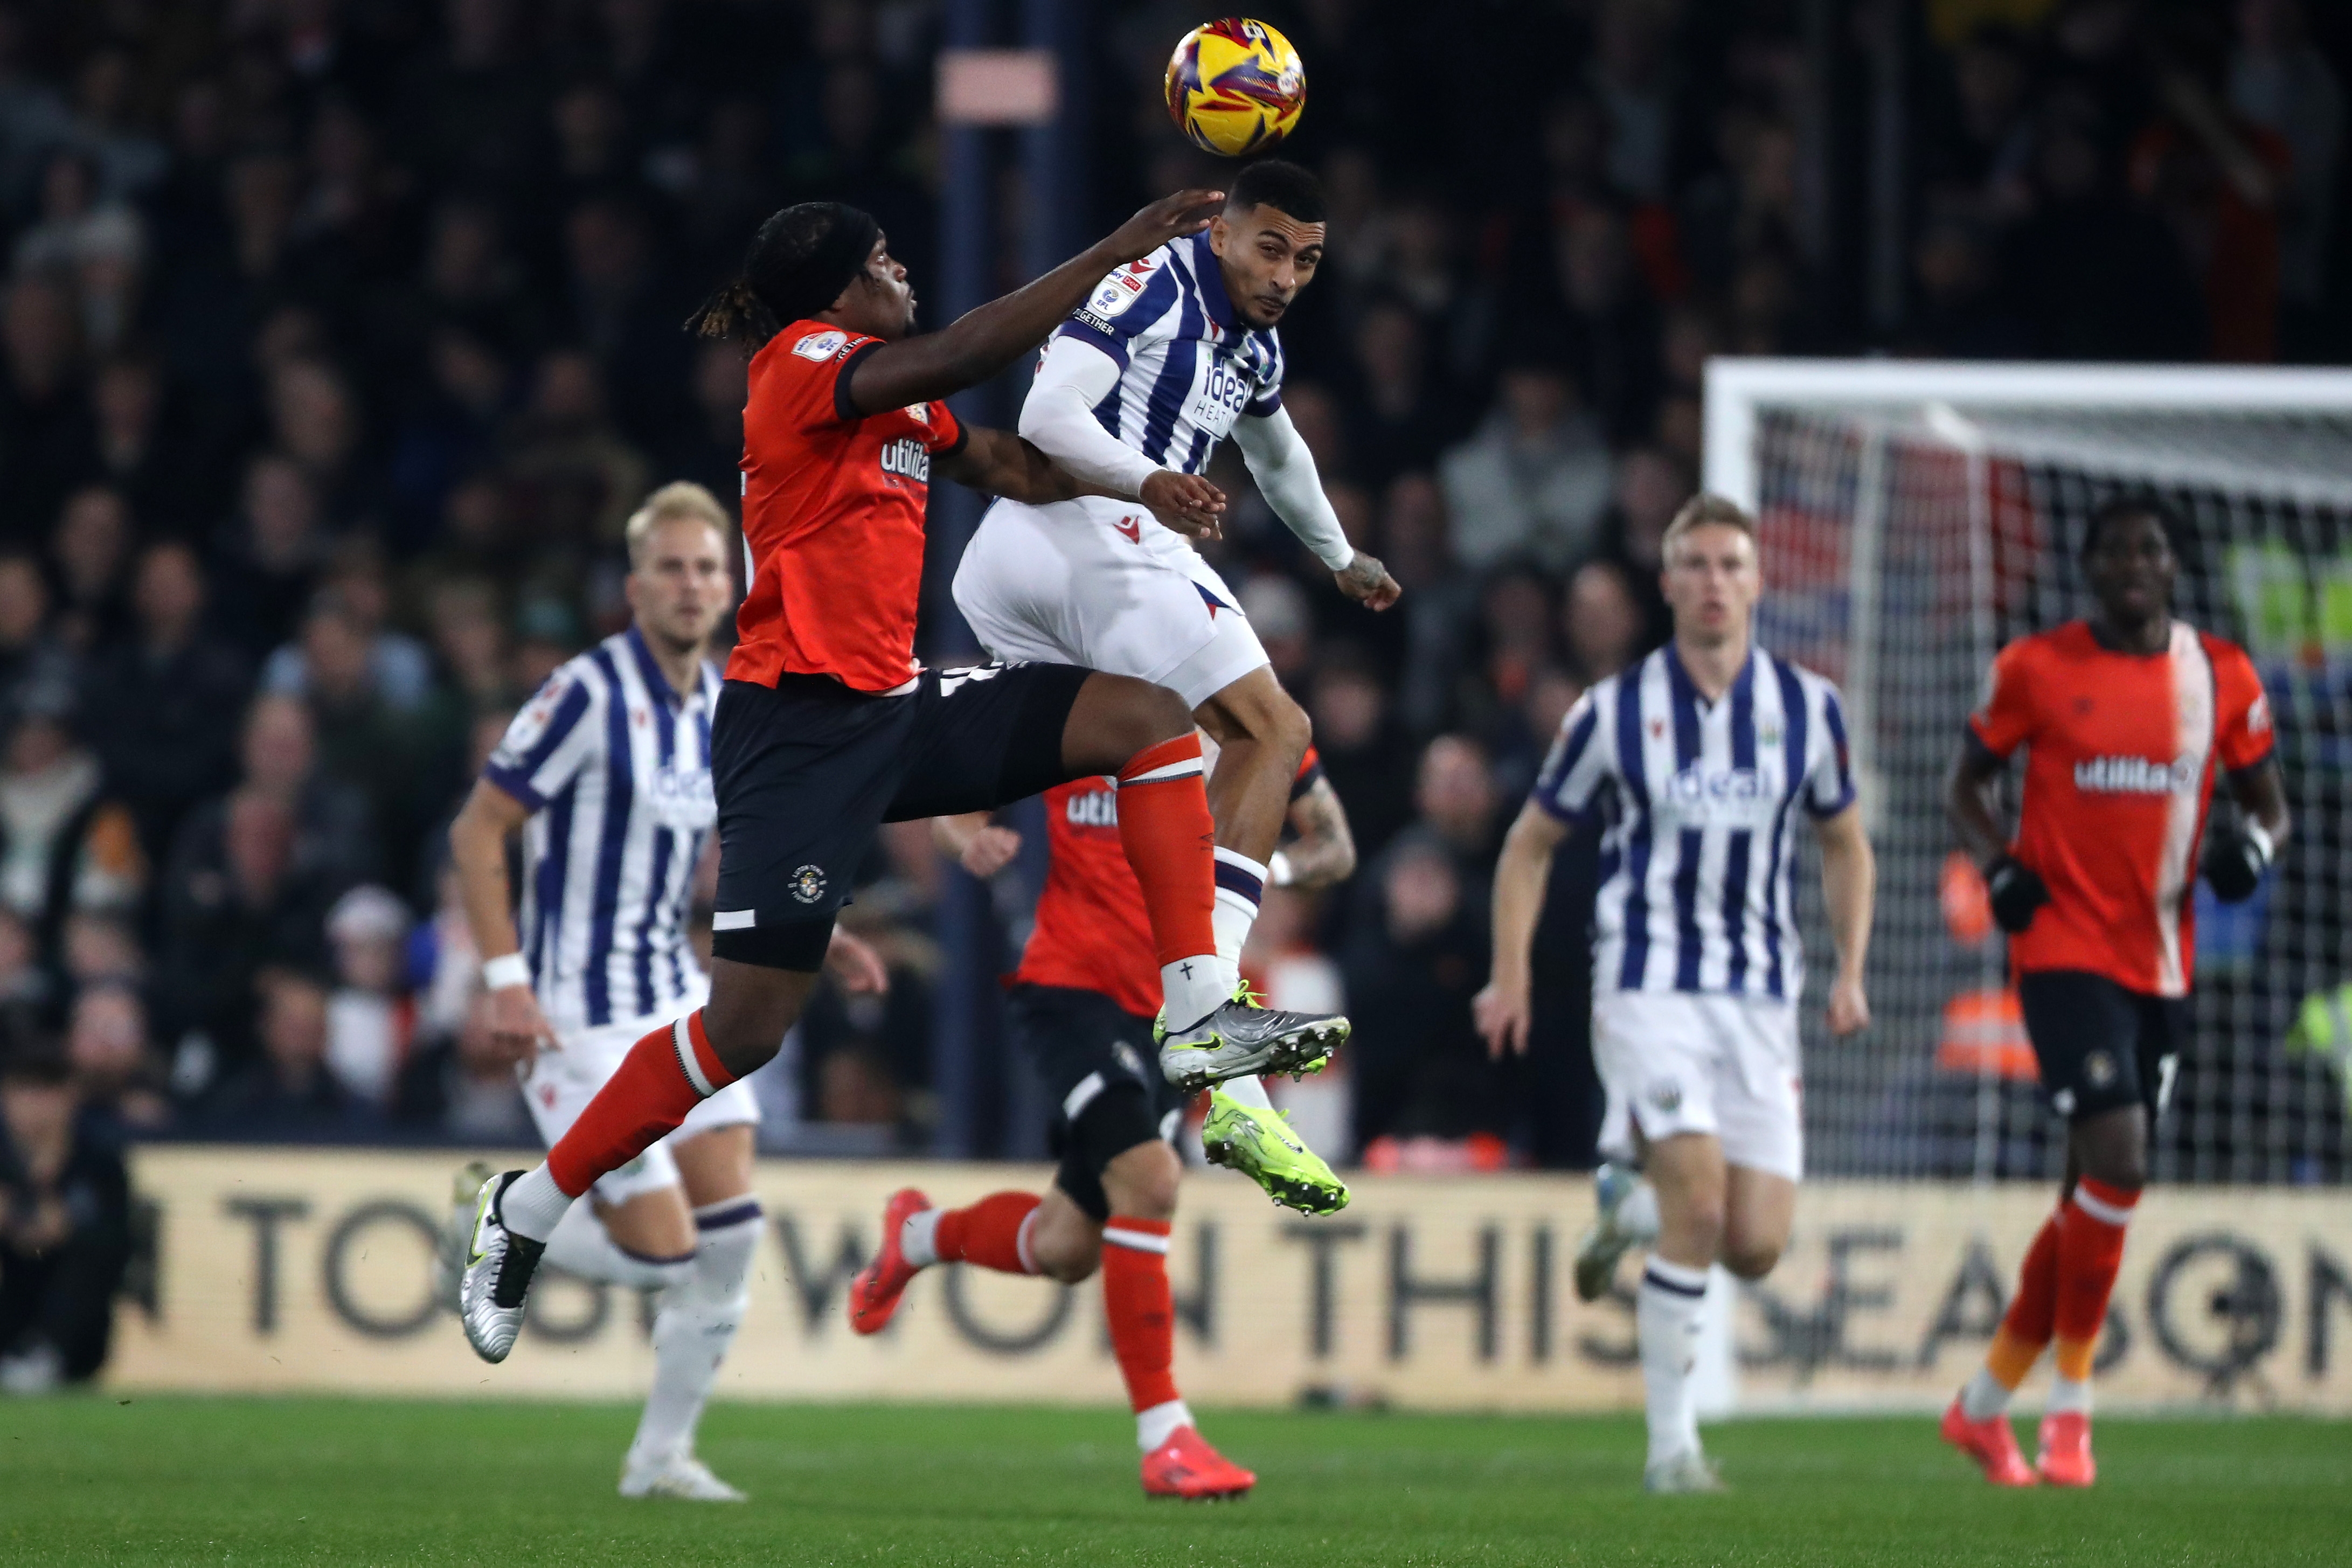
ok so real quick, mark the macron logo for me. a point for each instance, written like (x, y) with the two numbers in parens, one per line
(1132, 527)
(2135, 775)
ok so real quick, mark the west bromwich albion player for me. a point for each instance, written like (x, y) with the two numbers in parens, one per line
(828, 725)
(606, 772)
(1693, 765)
(1168, 357)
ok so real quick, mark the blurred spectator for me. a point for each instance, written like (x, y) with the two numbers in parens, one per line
(2279, 81)
(1533, 483)
(91, 554)
(44, 417)
(1602, 620)
(272, 557)
(65, 1228)
(1455, 794)
(287, 1094)
(1362, 747)
(399, 670)
(117, 1072)
(31, 659)
(368, 1019)
(1651, 486)
(1395, 420)
(66, 844)
(155, 701)
(1416, 1065)
(1278, 611)
(575, 477)
(462, 1088)
(145, 454)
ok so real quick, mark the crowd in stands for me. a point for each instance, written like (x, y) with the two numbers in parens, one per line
(338, 336)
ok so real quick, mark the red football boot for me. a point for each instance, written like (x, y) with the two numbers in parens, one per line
(1186, 1467)
(2066, 1459)
(1990, 1444)
(874, 1294)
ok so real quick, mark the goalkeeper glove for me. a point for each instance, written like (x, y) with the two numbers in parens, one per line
(2016, 890)
(2235, 859)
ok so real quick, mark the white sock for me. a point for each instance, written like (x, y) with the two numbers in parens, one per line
(533, 1204)
(1195, 987)
(1250, 1091)
(2066, 1395)
(581, 1246)
(696, 1326)
(1241, 887)
(1666, 1324)
(919, 1238)
(1637, 1217)
(1157, 1425)
(1983, 1396)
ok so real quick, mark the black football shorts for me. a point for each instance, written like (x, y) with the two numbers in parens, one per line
(1103, 1071)
(2102, 1045)
(806, 770)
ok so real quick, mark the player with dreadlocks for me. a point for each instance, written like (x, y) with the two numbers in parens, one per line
(827, 725)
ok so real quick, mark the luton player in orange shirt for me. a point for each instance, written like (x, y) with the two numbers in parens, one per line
(1081, 1005)
(827, 726)
(2126, 718)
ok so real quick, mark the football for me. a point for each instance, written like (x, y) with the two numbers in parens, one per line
(1236, 87)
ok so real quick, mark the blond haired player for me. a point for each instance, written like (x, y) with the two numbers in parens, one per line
(1693, 765)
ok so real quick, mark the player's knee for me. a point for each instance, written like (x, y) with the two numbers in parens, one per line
(1159, 714)
(1748, 1259)
(1067, 1260)
(1142, 1182)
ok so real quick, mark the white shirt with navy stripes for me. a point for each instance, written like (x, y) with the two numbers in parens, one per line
(1695, 802)
(614, 766)
(1188, 365)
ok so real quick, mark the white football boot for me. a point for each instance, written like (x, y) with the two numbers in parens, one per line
(676, 1476)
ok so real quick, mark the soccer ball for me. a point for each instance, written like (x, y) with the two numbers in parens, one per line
(1236, 87)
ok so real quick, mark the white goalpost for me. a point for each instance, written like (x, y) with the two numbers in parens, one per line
(1915, 517)
(1919, 515)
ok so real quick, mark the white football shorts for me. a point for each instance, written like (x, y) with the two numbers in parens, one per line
(1726, 1065)
(559, 1084)
(1100, 582)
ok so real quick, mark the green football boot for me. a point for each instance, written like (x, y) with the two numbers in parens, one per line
(1261, 1146)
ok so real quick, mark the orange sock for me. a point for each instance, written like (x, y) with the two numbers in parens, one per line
(1171, 842)
(2026, 1328)
(990, 1234)
(1141, 1309)
(666, 1074)
(2090, 1252)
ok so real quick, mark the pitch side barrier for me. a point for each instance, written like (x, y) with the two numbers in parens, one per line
(310, 1270)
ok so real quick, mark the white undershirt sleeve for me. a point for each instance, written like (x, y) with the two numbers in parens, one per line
(1285, 471)
(1058, 418)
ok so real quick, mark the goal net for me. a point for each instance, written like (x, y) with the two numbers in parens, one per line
(1916, 517)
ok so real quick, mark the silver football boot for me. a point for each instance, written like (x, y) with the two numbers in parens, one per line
(498, 1267)
(1242, 1039)
(1605, 1241)
(457, 1234)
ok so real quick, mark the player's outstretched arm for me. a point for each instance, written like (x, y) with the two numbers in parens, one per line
(1848, 891)
(477, 849)
(1284, 468)
(1501, 1011)
(982, 341)
(1325, 850)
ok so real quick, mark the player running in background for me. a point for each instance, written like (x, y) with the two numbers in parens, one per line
(827, 726)
(606, 774)
(2125, 718)
(1690, 764)
(1081, 1003)
(1169, 355)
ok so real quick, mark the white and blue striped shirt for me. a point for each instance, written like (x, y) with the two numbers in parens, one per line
(1188, 365)
(615, 768)
(1693, 799)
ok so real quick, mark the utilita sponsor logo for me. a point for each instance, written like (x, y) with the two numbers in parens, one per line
(2135, 775)
(908, 457)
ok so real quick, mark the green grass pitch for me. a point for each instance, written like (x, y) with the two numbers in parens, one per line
(97, 1480)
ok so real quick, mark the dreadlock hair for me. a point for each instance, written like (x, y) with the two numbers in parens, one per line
(799, 262)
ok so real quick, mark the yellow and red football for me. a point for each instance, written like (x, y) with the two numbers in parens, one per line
(1236, 87)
